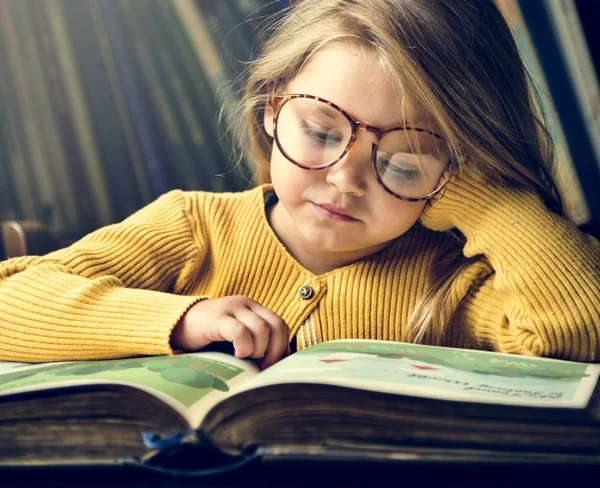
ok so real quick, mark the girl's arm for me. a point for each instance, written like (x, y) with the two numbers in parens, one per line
(106, 295)
(543, 297)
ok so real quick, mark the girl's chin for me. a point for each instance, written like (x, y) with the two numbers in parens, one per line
(347, 247)
(320, 243)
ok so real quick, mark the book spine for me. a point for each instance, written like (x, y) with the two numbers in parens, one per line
(220, 80)
(195, 25)
(50, 204)
(238, 30)
(83, 131)
(575, 202)
(66, 215)
(115, 152)
(556, 70)
(137, 106)
(9, 205)
(17, 188)
(252, 14)
(580, 68)
(62, 120)
(119, 98)
(195, 99)
(223, 32)
(8, 210)
(168, 128)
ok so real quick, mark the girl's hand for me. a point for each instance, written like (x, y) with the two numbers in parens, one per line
(447, 209)
(435, 217)
(255, 331)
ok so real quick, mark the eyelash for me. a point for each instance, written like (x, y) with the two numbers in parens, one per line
(409, 174)
(316, 135)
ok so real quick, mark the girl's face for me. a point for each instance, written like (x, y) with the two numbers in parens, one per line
(334, 216)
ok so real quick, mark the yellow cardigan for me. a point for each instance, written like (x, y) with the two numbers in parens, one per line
(120, 290)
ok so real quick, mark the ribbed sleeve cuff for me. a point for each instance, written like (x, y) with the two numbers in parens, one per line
(93, 319)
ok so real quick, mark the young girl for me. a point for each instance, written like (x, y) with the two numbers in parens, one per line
(410, 199)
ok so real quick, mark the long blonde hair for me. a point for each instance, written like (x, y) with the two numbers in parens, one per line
(462, 65)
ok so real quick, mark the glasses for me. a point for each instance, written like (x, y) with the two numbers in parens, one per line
(409, 163)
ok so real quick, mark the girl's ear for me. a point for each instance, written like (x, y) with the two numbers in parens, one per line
(268, 119)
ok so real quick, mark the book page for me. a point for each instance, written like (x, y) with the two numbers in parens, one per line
(438, 372)
(189, 383)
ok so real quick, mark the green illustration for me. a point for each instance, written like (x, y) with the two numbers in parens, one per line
(186, 378)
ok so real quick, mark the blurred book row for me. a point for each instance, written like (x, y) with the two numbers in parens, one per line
(106, 104)
(573, 50)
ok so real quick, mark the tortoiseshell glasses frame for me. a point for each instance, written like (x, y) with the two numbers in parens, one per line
(278, 101)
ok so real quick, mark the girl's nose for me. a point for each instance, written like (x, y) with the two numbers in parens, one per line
(350, 174)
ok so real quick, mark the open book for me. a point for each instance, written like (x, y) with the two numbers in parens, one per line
(345, 399)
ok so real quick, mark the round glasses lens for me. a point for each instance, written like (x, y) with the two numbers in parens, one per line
(410, 163)
(312, 133)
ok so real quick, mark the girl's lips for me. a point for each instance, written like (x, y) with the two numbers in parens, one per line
(334, 212)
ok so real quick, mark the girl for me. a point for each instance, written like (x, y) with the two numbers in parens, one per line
(410, 198)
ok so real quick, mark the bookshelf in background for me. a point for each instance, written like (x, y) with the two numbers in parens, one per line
(137, 102)
(219, 79)
(194, 99)
(568, 181)
(154, 82)
(556, 33)
(589, 13)
(103, 101)
(19, 199)
(48, 205)
(580, 69)
(50, 157)
(101, 114)
(61, 121)
(80, 117)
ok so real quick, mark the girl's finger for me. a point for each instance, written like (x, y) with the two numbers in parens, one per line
(279, 338)
(260, 329)
(236, 332)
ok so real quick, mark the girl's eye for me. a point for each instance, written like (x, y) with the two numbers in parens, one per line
(398, 169)
(320, 134)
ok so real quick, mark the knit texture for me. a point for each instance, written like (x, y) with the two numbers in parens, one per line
(544, 298)
(120, 291)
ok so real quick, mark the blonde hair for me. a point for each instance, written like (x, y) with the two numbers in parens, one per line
(462, 65)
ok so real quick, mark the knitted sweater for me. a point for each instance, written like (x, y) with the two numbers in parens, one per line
(120, 290)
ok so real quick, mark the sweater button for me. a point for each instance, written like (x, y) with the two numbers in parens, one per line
(306, 292)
